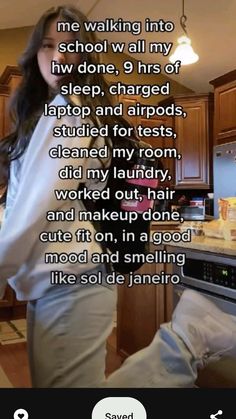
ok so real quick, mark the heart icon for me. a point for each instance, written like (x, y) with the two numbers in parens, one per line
(21, 414)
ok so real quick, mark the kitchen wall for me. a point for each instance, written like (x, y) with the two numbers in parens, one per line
(13, 42)
(134, 78)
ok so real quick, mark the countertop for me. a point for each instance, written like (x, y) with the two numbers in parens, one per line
(201, 243)
(207, 244)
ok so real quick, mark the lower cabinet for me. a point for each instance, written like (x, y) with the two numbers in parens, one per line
(10, 307)
(8, 298)
(141, 310)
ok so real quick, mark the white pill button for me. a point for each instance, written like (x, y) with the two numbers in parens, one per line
(20, 414)
(119, 408)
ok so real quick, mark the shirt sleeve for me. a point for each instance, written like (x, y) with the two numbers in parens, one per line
(35, 195)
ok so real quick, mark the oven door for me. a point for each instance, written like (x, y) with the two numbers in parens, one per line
(226, 305)
(209, 273)
(218, 374)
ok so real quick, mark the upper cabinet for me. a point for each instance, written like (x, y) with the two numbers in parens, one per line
(155, 121)
(225, 108)
(9, 81)
(130, 100)
(4, 96)
(194, 141)
(161, 142)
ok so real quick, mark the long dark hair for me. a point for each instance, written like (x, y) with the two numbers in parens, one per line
(27, 103)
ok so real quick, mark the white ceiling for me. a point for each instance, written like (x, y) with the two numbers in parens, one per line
(210, 24)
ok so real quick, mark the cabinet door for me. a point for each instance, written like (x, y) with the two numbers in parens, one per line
(194, 144)
(2, 107)
(10, 79)
(3, 114)
(161, 142)
(13, 82)
(225, 113)
(8, 298)
(140, 312)
(130, 100)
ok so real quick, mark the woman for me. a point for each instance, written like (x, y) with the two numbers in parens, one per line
(68, 324)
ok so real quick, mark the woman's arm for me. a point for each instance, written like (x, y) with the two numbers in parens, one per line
(35, 196)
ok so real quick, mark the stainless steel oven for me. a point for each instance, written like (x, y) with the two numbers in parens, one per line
(211, 274)
(215, 277)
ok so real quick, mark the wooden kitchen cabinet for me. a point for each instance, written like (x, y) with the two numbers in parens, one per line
(8, 298)
(161, 142)
(10, 307)
(140, 312)
(141, 309)
(155, 142)
(130, 100)
(225, 108)
(194, 141)
(4, 97)
(9, 80)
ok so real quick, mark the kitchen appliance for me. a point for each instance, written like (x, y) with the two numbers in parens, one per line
(224, 171)
(214, 276)
(209, 206)
(190, 212)
(209, 273)
(199, 209)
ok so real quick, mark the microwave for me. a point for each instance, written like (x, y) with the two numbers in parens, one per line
(192, 212)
